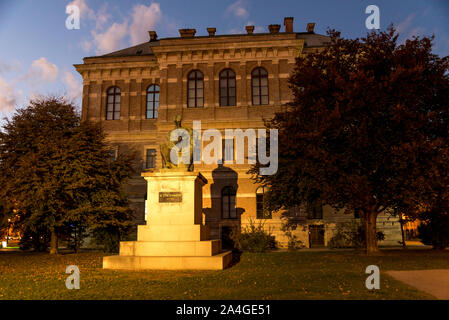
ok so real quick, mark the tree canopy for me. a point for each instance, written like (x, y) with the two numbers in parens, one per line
(57, 175)
(367, 129)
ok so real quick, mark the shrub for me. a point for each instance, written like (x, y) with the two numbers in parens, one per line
(109, 240)
(351, 235)
(293, 242)
(435, 233)
(253, 238)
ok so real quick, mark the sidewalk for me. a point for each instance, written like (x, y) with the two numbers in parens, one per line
(434, 282)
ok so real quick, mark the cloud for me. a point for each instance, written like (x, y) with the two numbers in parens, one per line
(418, 31)
(409, 27)
(73, 86)
(10, 66)
(143, 19)
(242, 30)
(110, 40)
(42, 69)
(238, 9)
(102, 17)
(405, 25)
(86, 45)
(8, 96)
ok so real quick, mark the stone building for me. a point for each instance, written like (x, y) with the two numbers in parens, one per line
(227, 82)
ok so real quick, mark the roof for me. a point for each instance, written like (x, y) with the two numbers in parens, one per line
(138, 50)
(311, 40)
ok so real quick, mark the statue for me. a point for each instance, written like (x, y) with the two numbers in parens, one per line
(167, 147)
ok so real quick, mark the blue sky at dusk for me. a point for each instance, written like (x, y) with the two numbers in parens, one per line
(38, 51)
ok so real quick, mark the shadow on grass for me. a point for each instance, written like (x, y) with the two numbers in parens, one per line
(236, 254)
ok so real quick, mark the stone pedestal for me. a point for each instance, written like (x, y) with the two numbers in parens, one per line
(174, 237)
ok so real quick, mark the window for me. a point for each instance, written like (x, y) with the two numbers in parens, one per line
(152, 101)
(195, 89)
(259, 84)
(314, 210)
(112, 155)
(259, 148)
(228, 210)
(113, 104)
(150, 159)
(227, 88)
(227, 152)
(262, 211)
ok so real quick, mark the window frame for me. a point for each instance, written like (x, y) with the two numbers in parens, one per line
(265, 214)
(227, 97)
(224, 160)
(259, 77)
(314, 211)
(155, 109)
(147, 157)
(232, 193)
(114, 103)
(196, 80)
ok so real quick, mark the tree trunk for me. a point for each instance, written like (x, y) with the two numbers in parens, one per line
(54, 242)
(401, 221)
(370, 232)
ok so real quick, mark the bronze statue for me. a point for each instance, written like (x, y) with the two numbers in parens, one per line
(167, 147)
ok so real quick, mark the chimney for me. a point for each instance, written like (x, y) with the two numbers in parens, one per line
(187, 33)
(249, 29)
(311, 27)
(288, 23)
(211, 31)
(274, 28)
(153, 35)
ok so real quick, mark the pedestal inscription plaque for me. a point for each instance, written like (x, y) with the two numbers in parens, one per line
(170, 197)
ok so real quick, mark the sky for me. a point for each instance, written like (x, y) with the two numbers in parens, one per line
(37, 50)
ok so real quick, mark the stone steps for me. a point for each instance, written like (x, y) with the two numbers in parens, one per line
(193, 232)
(170, 248)
(216, 262)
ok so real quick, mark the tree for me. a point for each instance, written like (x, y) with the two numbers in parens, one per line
(433, 210)
(56, 172)
(368, 121)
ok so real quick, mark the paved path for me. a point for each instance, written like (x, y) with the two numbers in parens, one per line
(434, 282)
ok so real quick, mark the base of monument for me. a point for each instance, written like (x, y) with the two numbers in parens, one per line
(217, 262)
(174, 237)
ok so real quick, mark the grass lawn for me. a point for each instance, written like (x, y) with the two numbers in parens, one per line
(274, 275)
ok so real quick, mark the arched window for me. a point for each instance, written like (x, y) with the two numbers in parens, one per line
(152, 101)
(195, 89)
(259, 84)
(227, 88)
(113, 104)
(262, 211)
(228, 209)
